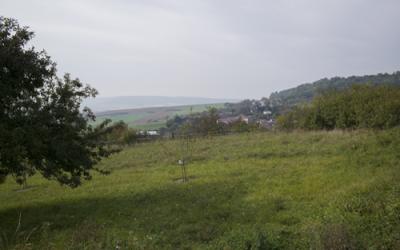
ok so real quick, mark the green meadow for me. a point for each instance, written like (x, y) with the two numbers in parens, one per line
(299, 190)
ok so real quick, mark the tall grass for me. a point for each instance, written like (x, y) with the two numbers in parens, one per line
(312, 190)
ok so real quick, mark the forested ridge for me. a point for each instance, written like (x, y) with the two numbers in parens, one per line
(281, 102)
(306, 92)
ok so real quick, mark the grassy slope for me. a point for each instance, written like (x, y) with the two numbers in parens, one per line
(153, 118)
(296, 190)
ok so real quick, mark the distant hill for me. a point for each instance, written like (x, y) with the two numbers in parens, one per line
(152, 117)
(101, 104)
(282, 101)
(305, 92)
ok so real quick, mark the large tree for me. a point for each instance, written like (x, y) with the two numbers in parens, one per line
(43, 127)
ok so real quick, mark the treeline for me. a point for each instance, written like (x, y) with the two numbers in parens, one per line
(361, 106)
(204, 124)
(255, 108)
(119, 134)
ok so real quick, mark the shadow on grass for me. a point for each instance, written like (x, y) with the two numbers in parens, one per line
(178, 214)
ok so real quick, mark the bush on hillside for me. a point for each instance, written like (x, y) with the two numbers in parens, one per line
(121, 134)
(362, 106)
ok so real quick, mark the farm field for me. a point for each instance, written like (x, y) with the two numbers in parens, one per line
(151, 118)
(300, 190)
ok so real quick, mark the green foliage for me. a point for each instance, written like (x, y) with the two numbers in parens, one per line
(120, 134)
(200, 124)
(41, 126)
(206, 124)
(254, 108)
(240, 126)
(361, 106)
(301, 94)
(247, 238)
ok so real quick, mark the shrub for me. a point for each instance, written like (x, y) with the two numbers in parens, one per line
(362, 106)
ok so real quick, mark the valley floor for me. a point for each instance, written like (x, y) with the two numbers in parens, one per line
(301, 190)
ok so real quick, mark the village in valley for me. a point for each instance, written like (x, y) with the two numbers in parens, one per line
(233, 117)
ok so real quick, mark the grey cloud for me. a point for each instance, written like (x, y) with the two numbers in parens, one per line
(225, 48)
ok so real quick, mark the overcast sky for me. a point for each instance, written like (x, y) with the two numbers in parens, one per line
(212, 48)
